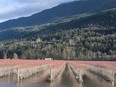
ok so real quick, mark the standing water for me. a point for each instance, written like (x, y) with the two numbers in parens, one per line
(64, 79)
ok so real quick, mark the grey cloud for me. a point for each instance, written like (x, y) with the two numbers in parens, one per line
(11, 9)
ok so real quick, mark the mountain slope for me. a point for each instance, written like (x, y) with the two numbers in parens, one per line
(63, 10)
(106, 19)
(88, 38)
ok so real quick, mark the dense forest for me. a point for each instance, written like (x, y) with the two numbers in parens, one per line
(92, 37)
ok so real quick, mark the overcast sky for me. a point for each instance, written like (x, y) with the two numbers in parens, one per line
(11, 9)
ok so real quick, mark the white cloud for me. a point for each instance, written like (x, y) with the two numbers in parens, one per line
(10, 9)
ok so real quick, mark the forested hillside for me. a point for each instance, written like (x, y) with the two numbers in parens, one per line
(91, 37)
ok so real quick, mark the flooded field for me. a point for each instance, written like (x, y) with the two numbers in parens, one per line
(66, 78)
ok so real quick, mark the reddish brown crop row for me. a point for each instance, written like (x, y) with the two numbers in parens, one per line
(55, 63)
(30, 63)
(77, 65)
(102, 64)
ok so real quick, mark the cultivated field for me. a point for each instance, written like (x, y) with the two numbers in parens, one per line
(25, 68)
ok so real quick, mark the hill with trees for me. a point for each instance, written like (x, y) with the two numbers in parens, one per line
(91, 37)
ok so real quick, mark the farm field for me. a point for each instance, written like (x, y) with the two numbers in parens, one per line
(20, 62)
(56, 72)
